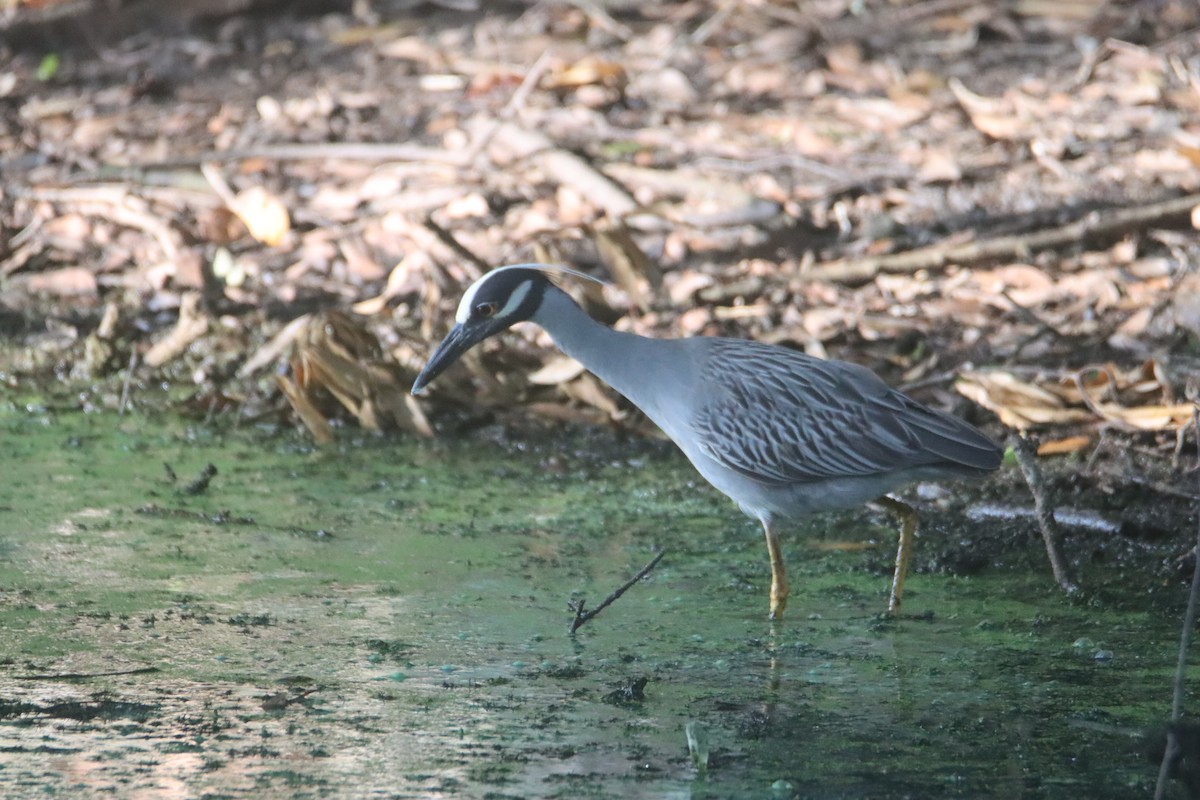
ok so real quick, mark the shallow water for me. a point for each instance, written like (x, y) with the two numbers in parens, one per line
(388, 618)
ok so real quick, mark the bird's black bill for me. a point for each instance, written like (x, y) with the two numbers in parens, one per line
(458, 341)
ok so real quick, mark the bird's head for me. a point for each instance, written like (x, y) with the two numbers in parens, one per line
(493, 303)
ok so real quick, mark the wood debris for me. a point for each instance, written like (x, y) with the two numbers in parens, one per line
(1140, 399)
(335, 357)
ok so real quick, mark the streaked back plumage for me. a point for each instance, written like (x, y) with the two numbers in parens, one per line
(780, 416)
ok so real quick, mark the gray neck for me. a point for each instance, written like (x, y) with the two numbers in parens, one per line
(616, 358)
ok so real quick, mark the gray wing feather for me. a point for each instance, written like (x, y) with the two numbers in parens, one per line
(781, 416)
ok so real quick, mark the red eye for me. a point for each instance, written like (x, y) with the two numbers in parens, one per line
(485, 309)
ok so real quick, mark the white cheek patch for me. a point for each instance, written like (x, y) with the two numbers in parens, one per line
(515, 299)
(467, 304)
(468, 299)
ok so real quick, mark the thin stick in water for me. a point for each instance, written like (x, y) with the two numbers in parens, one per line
(1185, 642)
(121, 406)
(1027, 461)
(581, 617)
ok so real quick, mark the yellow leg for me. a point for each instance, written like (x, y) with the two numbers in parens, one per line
(779, 584)
(908, 530)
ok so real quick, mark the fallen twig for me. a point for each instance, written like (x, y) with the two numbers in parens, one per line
(191, 325)
(599, 17)
(1044, 328)
(1027, 461)
(129, 370)
(514, 105)
(274, 349)
(79, 676)
(1109, 223)
(281, 700)
(439, 244)
(562, 168)
(1185, 643)
(116, 204)
(200, 484)
(317, 151)
(582, 617)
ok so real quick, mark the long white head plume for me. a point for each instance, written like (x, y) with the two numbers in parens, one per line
(554, 271)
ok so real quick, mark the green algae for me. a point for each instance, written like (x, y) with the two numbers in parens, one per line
(388, 618)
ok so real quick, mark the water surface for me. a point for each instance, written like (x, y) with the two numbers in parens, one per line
(387, 618)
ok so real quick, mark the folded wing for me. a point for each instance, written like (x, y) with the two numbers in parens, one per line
(781, 416)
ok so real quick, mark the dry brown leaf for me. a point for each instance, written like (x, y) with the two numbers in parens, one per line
(1134, 327)
(407, 277)
(1098, 287)
(1192, 154)
(1164, 161)
(264, 214)
(707, 200)
(631, 268)
(492, 78)
(994, 117)
(824, 323)
(336, 354)
(743, 79)
(844, 58)
(414, 48)
(1148, 418)
(65, 282)
(192, 324)
(70, 228)
(1109, 383)
(359, 261)
(693, 321)
(666, 87)
(999, 127)
(557, 370)
(511, 143)
(1099, 394)
(587, 389)
(1058, 447)
(1025, 284)
(273, 350)
(685, 285)
(1108, 380)
(750, 311)
(312, 419)
(218, 225)
(1019, 404)
(473, 205)
(974, 103)
(588, 71)
(879, 114)
(939, 166)
(1185, 306)
(568, 413)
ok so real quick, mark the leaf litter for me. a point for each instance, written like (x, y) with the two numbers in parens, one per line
(277, 214)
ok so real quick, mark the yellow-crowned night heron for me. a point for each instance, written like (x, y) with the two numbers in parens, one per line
(780, 432)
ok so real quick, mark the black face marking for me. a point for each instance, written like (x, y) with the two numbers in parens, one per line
(506, 295)
(491, 304)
